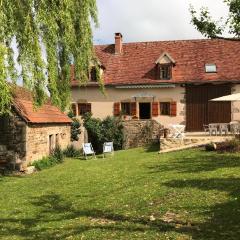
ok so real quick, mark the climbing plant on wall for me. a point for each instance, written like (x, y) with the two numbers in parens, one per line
(49, 35)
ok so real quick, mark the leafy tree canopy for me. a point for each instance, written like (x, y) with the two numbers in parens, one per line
(50, 35)
(205, 24)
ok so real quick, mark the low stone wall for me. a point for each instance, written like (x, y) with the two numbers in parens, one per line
(138, 133)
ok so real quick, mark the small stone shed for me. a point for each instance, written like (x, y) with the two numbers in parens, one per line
(28, 134)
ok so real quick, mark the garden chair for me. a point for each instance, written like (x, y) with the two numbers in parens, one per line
(223, 128)
(206, 128)
(88, 150)
(213, 129)
(108, 148)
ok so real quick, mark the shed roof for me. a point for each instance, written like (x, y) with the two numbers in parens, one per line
(24, 105)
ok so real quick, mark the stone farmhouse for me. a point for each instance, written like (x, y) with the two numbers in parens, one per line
(168, 81)
(29, 134)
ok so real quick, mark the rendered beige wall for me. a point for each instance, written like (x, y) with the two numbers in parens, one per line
(102, 106)
(236, 105)
(37, 140)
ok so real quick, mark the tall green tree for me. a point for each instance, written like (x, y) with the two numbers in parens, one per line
(50, 35)
(211, 28)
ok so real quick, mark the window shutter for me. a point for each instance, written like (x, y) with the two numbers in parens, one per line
(133, 109)
(155, 107)
(173, 109)
(116, 109)
(88, 107)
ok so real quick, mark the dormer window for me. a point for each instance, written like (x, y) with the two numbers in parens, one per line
(164, 64)
(210, 68)
(165, 71)
(93, 74)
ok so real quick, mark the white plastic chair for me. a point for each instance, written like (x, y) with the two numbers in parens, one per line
(213, 129)
(223, 128)
(88, 150)
(108, 148)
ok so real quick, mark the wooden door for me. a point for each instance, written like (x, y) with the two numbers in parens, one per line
(200, 111)
(219, 112)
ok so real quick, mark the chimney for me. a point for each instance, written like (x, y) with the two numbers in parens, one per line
(118, 43)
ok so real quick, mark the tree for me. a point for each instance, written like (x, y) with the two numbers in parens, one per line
(50, 35)
(210, 28)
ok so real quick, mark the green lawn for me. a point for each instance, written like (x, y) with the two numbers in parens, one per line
(137, 194)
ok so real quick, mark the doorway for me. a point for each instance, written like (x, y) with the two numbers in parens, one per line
(145, 110)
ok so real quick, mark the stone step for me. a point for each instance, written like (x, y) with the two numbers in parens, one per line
(169, 145)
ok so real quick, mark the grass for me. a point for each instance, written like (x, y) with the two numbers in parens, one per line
(137, 194)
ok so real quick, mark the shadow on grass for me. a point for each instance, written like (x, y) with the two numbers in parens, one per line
(155, 147)
(98, 157)
(54, 210)
(224, 222)
(196, 162)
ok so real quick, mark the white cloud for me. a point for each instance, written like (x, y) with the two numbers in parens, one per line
(149, 20)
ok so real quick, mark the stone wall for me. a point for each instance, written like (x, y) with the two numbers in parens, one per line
(138, 133)
(41, 138)
(13, 138)
(236, 104)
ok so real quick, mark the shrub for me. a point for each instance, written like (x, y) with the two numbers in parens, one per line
(58, 154)
(71, 151)
(112, 129)
(46, 162)
(75, 127)
(106, 130)
(231, 146)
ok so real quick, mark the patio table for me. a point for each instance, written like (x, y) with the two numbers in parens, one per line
(235, 127)
(177, 130)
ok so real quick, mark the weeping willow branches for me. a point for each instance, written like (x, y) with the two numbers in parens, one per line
(50, 35)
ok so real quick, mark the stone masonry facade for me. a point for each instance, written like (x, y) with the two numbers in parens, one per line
(12, 139)
(41, 139)
(22, 143)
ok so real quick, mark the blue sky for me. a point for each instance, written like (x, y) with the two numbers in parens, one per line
(150, 20)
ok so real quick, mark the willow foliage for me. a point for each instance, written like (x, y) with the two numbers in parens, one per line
(205, 24)
(50, 35)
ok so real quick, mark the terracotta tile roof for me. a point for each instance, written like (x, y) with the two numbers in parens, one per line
(23, 103)
(137, 63)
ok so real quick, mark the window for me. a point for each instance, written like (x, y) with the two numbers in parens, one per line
(84, 108)
(51, 143)
(164, 71)
(210, 68)
(165, 108)
(93, 74)
(126, 108)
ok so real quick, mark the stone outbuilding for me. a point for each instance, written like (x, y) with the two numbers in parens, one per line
(28, 134)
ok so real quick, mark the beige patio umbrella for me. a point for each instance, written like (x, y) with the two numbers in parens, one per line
(231, 97)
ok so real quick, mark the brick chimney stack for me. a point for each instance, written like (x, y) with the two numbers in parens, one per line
(118, 43)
